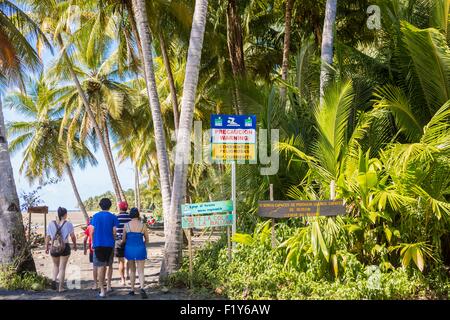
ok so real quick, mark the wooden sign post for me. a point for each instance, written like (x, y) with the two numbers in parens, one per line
(188, 233)
(273, 219)
(42, 209)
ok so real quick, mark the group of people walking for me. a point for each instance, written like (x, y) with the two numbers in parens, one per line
(107, 236)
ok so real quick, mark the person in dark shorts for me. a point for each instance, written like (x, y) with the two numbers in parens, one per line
(88, 241)
(119, 252)
(103, 234)
(65, 229)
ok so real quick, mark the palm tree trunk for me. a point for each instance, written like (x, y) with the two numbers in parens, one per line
(110, 154)
(234, 40)
(140, 15)
(173, 89)
(133, 27)
(235, 51)
(286, 45)
(327, 43)
(77, 194)
(173, 243)
(152, 169)
(14, 249)
(137, 192)
(98, 132)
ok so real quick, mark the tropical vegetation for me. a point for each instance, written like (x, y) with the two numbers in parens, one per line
(362, 113)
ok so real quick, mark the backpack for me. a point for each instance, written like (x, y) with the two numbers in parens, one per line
(58, 244)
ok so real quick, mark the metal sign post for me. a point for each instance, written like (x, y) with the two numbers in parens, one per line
(233, 198)
(233, 138)
(229, 244)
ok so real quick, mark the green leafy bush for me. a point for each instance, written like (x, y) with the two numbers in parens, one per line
(11, 280)
(259, 272)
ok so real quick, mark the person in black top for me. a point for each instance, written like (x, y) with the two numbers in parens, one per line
(124, 218)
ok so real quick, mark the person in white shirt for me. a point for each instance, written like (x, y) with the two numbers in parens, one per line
(60, 259)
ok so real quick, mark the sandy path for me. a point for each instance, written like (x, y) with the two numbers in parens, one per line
(79, 275)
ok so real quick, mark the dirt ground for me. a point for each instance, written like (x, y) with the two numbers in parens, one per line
(79, 283)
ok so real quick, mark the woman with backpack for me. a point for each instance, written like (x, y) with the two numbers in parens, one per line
(57, 244)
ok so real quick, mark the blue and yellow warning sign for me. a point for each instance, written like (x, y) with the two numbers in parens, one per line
(233, 137)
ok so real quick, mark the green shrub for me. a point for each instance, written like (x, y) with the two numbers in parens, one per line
(258, 272)
(11, 280)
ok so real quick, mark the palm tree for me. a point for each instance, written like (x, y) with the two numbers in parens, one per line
(235, 43)
(164, 23)
(132, 143)
(421, 81)
(46, 150)
(173, 243)
(55, 17)
(109, 99)
(12, 232)
(235, 40)
(140, 15)
(16, 55)
(286, 45)
(327, 43)
(120, 15)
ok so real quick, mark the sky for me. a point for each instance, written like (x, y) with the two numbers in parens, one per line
(91, 181)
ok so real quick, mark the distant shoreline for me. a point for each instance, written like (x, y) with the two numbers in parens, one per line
(55, 211)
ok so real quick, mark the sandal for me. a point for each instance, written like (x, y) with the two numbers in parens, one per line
(54, 287)
(131, 293)
(143, 294)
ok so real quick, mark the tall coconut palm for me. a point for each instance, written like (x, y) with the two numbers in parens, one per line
(165, 24)
(132, 143)
(109, 99)
(173, 244)
(16, 55)
(46, 151)
(140, 15)
(327, 43)
(56, 18)
(286, 46)
(15, 250)
(235, 39)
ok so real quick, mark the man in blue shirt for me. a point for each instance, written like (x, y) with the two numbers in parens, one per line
(103, 233)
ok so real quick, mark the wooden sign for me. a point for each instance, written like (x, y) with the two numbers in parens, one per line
(301, 208)
(204, 221)
(207, 207)
(43, 209)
